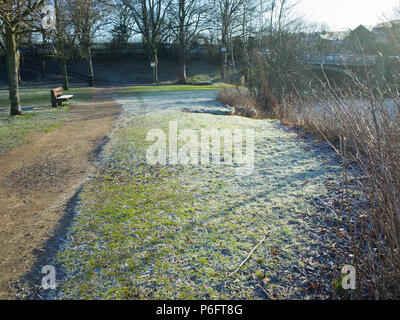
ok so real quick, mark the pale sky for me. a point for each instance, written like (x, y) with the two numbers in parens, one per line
(345, 14)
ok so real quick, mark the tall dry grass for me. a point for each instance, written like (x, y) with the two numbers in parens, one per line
(363, 125)
(237, 97)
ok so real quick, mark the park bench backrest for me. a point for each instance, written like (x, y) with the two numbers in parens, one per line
(57, 92)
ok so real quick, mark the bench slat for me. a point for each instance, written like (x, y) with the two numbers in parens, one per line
(66, 97)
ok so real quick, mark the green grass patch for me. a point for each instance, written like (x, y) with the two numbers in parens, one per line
(200, 71)
(40, 117)
(17, 130)
(166, 88)
(176, 232)
(41, 97)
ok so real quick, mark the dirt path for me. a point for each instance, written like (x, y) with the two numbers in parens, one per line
(38, 178)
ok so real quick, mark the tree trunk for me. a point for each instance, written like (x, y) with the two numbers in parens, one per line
(224, 48)
(20, 62)
(182, 65)
(224, 60)
(90, 61)
(232, 53)
(182, 41)
(12, 57)
(155, 57)
(64, 74)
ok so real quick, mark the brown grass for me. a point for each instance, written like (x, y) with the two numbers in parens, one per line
(363, 125)
(237, 98)
(367, 124)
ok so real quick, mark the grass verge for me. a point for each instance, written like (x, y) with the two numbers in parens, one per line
(38, 117)
(40, 98)
(165, 88)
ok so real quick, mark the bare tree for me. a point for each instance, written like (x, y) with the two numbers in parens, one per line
(122, 22)
(276, 66)
(63, 37)
(185, 23)
(15, 18)
(88, 16)
(227, 18)
(150, 22)
(248, 29)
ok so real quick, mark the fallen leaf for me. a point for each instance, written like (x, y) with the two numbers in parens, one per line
(275, 252)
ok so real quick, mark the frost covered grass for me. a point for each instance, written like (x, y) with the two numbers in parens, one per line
(169, 88)
(16, 130)
(177, 232)
(40, 98)
(37, 115)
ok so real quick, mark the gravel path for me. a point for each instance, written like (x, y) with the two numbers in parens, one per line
(183, 229)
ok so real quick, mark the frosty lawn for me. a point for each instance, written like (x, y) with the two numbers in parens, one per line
(37, 115)
(177, 232)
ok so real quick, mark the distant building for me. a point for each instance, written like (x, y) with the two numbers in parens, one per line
(362, 40)
(385, 31)
(334, 41)
(325, 42)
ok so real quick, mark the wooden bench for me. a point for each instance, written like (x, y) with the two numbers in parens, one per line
(58, 97)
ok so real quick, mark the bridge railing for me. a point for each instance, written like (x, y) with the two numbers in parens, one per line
(343, 62)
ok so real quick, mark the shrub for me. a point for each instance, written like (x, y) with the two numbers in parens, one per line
(237, 98)
(367, 123)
